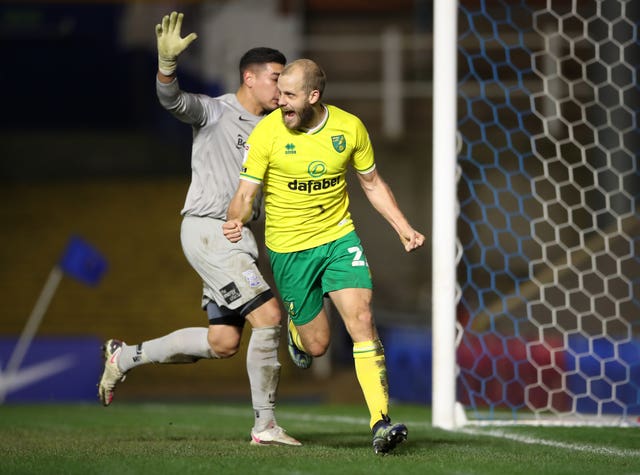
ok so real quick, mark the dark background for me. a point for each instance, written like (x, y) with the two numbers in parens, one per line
(87, 150)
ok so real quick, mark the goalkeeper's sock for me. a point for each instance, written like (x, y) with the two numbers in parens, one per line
(371, 371)
(263, 369)
(186, 345)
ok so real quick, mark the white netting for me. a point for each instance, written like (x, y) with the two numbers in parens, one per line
(549, 225)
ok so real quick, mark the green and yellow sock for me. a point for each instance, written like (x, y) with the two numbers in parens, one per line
(295, 336)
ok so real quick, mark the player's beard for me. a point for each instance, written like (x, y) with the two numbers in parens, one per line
(302, 118)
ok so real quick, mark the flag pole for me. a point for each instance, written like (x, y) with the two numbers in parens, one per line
(30, 329)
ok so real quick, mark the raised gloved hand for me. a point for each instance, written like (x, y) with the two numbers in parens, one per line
(170, 45)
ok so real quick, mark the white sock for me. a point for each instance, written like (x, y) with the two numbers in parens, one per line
(263, 369)
(186, 345)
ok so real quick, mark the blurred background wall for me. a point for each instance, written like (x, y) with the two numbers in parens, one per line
(87, 150)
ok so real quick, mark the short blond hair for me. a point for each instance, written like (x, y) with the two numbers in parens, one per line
(313, 77)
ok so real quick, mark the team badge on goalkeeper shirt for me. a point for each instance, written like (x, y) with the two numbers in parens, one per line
(339, 143)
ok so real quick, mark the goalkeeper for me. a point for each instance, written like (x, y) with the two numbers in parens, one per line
(234, 291)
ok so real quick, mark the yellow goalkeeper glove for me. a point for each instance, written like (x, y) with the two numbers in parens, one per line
(170, 45)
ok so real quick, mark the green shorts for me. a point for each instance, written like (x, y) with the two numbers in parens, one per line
(304, 277)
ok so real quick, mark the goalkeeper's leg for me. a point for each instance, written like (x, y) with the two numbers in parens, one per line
(263, 369)
(186, 345)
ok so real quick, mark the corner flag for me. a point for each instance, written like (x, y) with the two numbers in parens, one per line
(83, 262)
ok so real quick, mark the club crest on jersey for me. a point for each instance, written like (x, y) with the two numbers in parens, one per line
(339, 143)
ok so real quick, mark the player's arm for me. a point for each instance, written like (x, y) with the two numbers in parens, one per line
(188, 108)
(240, 209)
(170, 45)
(381, 197)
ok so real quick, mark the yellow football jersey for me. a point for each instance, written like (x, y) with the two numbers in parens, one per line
(303, 177)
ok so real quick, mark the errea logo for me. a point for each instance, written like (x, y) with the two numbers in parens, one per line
(289, 149)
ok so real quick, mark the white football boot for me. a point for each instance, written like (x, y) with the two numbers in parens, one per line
(111, 374)
(273, 435)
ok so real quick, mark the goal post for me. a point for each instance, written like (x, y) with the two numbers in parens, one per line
(536, 248)
(444, 213)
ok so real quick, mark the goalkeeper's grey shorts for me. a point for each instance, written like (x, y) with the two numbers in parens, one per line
(228, 270)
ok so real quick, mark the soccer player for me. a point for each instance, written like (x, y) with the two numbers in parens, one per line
(299, 155)
(233, 288)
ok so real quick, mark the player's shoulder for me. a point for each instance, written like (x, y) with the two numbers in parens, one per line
(228, 100)
(229, 109)
(345, 120)
(274, 117)
(336, 113)
(269, 122)
(216, 104)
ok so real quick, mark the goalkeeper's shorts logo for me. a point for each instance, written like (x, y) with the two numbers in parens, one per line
(252, 278)
(230, 292)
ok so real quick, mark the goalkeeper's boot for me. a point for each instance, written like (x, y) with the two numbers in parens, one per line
(300, 358)
(387, 435)
(111, 374)
(273, 435)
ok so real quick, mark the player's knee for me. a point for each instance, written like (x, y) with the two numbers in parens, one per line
(317, 351)
(365, 317)
(266, 315)
(361, 327)
(316, 347)
(266, 320)
(224, 348)
(224, 351)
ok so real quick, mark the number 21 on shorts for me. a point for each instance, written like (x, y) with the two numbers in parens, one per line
(358, 259)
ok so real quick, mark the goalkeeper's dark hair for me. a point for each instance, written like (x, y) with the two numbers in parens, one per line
(260, 56)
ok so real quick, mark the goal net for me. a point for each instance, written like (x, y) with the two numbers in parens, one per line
(548, 250)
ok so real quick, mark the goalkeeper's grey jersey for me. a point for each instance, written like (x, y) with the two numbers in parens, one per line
(220, 130)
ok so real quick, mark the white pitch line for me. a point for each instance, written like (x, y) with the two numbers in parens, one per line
(599, 450)
(593, 449)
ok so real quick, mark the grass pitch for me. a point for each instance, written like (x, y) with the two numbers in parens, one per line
(185, 439)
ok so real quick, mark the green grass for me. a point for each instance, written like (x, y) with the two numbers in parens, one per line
(214, 439)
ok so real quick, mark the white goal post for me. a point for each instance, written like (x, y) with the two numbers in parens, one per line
(536, 212)
(444, 212)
